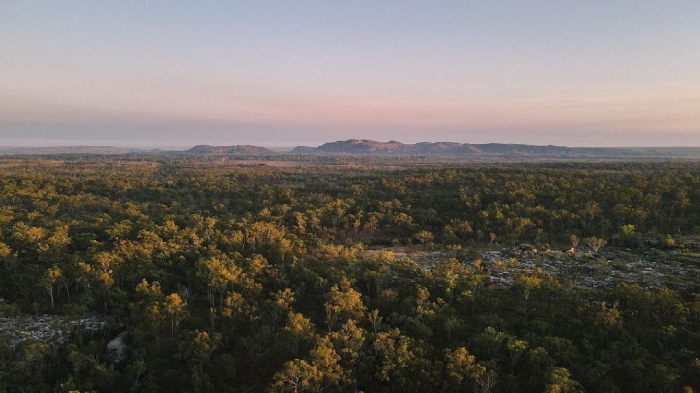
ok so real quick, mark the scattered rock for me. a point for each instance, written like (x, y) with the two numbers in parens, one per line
(116, 349)
(47, 329)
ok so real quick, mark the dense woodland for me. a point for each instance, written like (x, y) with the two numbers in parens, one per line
(250, 277)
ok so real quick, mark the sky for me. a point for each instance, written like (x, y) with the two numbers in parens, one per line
(173, 74)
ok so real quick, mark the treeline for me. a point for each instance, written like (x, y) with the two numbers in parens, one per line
(247, 278)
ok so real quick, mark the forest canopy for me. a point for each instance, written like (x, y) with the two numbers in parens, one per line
(206, 274)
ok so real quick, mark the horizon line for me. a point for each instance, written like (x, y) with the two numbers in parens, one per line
(285, 147)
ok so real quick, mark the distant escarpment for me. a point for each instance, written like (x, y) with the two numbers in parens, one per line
(242, 150)
(354, 146)
(364, 146)
(452, 150)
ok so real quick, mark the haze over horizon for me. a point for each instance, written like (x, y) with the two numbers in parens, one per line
(282, 74)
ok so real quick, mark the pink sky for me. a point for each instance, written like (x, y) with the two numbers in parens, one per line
(582, 74)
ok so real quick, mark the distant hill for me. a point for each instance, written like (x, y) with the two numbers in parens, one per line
(355, 146)
(361, 147)
(12, 150)
(496, 150)
(242, 150)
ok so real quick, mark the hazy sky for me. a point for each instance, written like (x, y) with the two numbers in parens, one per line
(278, 73)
